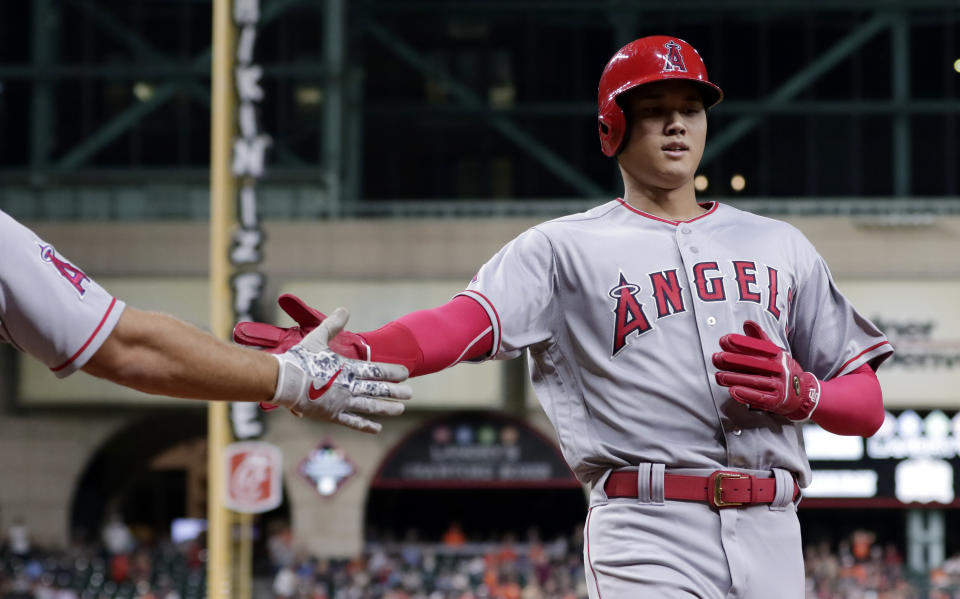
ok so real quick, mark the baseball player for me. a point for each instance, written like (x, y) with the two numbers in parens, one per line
(675, 346)
(52, 310)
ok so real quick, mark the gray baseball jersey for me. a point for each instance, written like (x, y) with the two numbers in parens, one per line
(622, 311)
(49, 308)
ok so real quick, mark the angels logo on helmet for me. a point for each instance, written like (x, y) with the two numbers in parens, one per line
(673, 60)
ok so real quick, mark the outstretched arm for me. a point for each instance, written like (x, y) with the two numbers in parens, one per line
(160, 354)
(424, 341)
(157, 353)
(52, 310)
(431, 340)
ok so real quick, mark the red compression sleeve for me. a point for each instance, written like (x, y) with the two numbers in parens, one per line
(430, 340)
(851, 404)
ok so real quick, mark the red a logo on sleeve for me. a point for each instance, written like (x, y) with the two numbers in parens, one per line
(68, 271)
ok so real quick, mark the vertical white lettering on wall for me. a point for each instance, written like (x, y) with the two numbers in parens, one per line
(247, 164)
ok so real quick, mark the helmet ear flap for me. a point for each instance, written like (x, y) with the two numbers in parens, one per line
(612, 126)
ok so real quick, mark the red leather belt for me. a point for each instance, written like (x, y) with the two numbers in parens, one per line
(721, 489)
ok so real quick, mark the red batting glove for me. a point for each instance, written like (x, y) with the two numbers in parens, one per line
(277, 340)
(761, 375)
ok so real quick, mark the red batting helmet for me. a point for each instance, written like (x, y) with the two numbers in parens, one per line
(646, 60)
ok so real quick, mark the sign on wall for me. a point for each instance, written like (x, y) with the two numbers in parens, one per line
(913, 458)
(326, 468)
(475, 449)
(248, 159)
(923, 324)
(254, 477)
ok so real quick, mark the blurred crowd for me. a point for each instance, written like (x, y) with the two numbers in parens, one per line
(113, 567)
(456, 567)
(860, 568)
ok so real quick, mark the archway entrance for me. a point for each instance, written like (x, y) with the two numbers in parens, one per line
(151, 475)
(492, 474)
(119, 477)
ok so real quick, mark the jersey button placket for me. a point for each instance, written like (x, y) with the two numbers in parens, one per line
(685, 230)
(689, 247)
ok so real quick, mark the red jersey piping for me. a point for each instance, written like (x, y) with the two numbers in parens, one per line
(710, 211)
(90, 340)
(857, 357)
(499, 336)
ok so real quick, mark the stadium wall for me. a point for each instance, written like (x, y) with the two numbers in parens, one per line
(44, 451)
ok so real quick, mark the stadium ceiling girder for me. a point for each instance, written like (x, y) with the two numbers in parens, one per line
(467, 97)
(728, 107)
(199, 66)
(186, 75)
(793, 86)
(41, 117)
(473, 7)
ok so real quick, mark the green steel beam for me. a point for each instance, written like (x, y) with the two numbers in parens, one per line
(274, 8)
(42, 104)
(119, 124)
(198, 67)
(624, 24)
(872, 107)
(555, 164)
(268, 14)
(138, 43)
(334, 53)
(353, 136)
(676, 6)
(279, 148)
(149, 70)
(587, 109)
(796, 84)
(900, 67)
(115, 128)
(108, 23)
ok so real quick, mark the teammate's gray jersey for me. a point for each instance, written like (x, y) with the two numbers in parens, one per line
(622, 312)
(49, 308)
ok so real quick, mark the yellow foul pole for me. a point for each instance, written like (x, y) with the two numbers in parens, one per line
(222, 221)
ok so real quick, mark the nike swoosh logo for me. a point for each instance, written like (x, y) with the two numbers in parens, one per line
(314, 393)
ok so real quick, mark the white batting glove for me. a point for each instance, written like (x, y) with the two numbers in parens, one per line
(317, 383)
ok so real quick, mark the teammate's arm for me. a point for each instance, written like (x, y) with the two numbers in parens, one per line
(157, 353)
(50, 309)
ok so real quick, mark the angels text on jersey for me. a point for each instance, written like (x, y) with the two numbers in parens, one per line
(639, 305)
